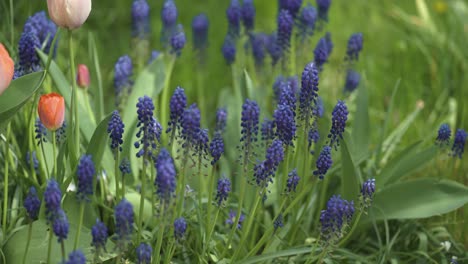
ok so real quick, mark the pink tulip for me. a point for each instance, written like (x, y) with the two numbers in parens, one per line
(82, 78)
(7, 68)
(69, 14)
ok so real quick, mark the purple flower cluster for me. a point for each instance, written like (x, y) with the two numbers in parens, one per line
(354, 47)
(443, 135)
(177, 105)
(339, 117)
(85, 174)
(123, 71)
(32, 204)
(124, 219)
(149, 133)
(200, 25)
(309, 92)
(293, 181)
(41, 131)
(76, 257)
(324, 162)
(216, 147)
(233, 14)
(143, 253)
(285, 124)
(249, 122)
(232, 218)
(323, 50)
(292, 6)
(115, 129)
(458, 146)
(265, 170)
(367, 192)
(352, 81)
(268, 130)
(165, 180)
(307, 21)
(140, 19)
(223, 190)
(180, 227)
(100, 234)
(335, 218)
(285, 27)
(248, 14)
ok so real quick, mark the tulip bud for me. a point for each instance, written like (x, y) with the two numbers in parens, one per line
(82, 77)
(69, 14)
(7, 68)
(51, 110)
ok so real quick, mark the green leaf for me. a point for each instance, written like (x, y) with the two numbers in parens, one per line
(96, 85)
(350, 175)
(361, 124)
(19, 92)
(406, 162)
(419, 198)
(275, 255)
(249, 85)
(134, 199)
(98, 147)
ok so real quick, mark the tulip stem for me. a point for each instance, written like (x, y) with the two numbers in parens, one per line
(12, 22)
(54, 148)
(5, 184)
(74, 94)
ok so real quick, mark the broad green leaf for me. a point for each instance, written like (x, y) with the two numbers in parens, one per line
(350, 176)
(87, 126)
(96, 84)
(249, 85)
(361, 124)
(275, 255)
(406, 162)
(19, 92)
(418, 198)
(134, 199)
(98, 147)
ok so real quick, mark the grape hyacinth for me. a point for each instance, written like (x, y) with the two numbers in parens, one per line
(76, 257)
(44, 29)
(32, 204)
(292, 6)
(124, 219)
(309, 92)
(264, 171)
(124, 167)
(322, 51)
(249, 122)
(190, 124)
(140, 19)
(336, 218)
(60, 225)
(154, 55)
(323, 6)
(178, 40)
(287, 96)
(313, 136)
(165, 180)
(115, 129)
(443, 135)
(278, 223)
(169, 16)
(177, 105)
(248, 15)
(285, 124)
(324, 162)
(32, 161)
(123, 71)
(41, 132)
(285, 27)
(52, 198)
(233, 14)
(367, 192)
(180, 227)
(458, 146)
(85, 173)
(339, 117)
(61, 133)
(144, 252)
(216, 147)
(232, 218)
(28, 58)
(273, 48)
(223, 190)
(352, 81)
(293, 181)
(221, 120)
(200, 25)
(201, 144)
(100, 234)
(229, 50)
(307, 20)
(318, 109)
(268, 130)
(354, 47)
(258, 43)
(149, 129)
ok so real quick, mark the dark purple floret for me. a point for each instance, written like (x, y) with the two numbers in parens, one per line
(233, 14)
(28, 59)
(293, 181)
(264, 171)
(287, 96)
(44, 29)
(216, 148)
(323, 6)
(229, 50)
(367, 192)
(165, 175)
(52, 198)
(324, 162)
(124, 219)
(249, 121)
(85, 173)
(224, 188)
(335, 218)
(221, 120)
(125, 166)
(32, 204)
(319, 108)
(354, 47)
(123, 71)
(190, 124)
(273, 48)
(285, 124)
(100, 234)
(178, 40)
(200, 25)
(150, 130)
(202, 144)
(258, 43)
(144, 252)
(339, 117)
(177, 105)
(32, 161)
(293, 6)
(169, 14)
(459, 143)
(41, 132)
(278, 223)
(309, 91)
(268, 130)
(232, 218)
(248, 14)
(313, 136)
(61, 133)
(307, 20)
(60, 225)
(76, 257)
(154, 55)
(443, 136)
(285, 26)
(322, 52)
(180, 227)
(352, 81)
(140, 19)
(115, 129)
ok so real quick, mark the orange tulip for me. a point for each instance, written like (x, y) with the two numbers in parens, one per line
(7, 68)
(82, 78)
(51, 110)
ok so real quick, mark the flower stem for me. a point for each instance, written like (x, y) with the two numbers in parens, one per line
(164, 103)
(353, 228)
(142, 198)
(116, 171)
(5, 184)
(54, 149)
(74, 94)
(80, 223)
(64, 256)
(49, 246)
(44, 159)
(27, 242)
(157, 250)
(88, 106)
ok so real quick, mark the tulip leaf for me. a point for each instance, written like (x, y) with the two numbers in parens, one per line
(350, 174)
(19, 92)
(361, 124)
